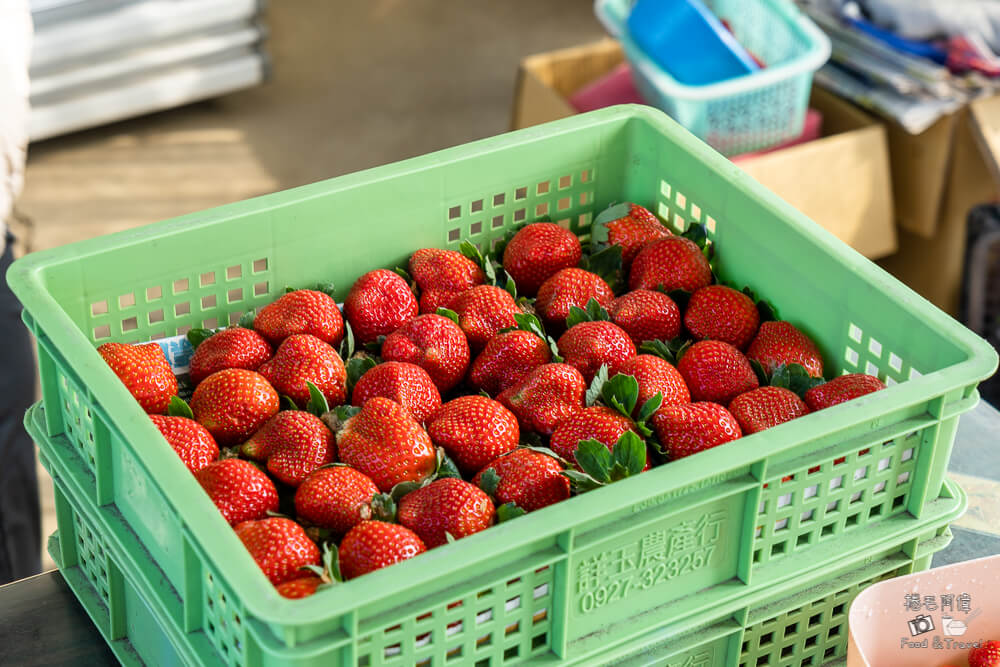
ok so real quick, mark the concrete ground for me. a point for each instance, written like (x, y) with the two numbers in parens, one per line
(354, 85)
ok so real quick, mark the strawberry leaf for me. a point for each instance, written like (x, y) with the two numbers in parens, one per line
(509, 511)
(489, 481)
(289, 290)
(760, 372)
(340, 414)
(795, 378)
(650, 407)
(331, 559)
(681, 297)
(285, 402)
(450, 314)
(403, 273)
(511, 287)
(594, 459)
(681, 346)
(629, 455)
(599, 228)
(597, 385)
(356, 367)
(179, 408)
(375, 346)
(473, 253)
(698, 233)
(581, 481)
(607, 263)
(449, 537)
(198, 336)
(346, 348)
(384, 507)
(621, 393)
(548, 452)
(530, 323)
(497, 253)
(246, 320)
(445, 466)
(658, 348)
(594, 312)
(404, 488)
(317, 401)
(576, 316)
(328, 289)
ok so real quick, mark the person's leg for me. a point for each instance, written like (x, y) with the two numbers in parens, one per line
(20, 520)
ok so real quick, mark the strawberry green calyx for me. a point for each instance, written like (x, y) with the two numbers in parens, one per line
(530, 323)
(601, 467)
(404, 274)
(317, 401)
(599, 232)
(496, 254)
(358, 366)
(179, 408)
(374, 347)
(671, 350)
(548, 452)
(328, 289)
(285, 402)
(246, 319)
(384, 506)
(329, 572)
(450, 314)
(346, 349)
(606, 263)
(791, 376)
(596, 386)
(765, 309)
(594, 312)
(489, 481)
(445, 467)
(621, 393)
(335, 418)
(198, 336)
(484, 263)
(679, 296)
(509, 511)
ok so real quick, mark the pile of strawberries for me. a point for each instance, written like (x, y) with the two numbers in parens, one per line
(471, 389)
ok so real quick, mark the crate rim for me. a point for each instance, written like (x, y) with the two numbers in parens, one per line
(26, 278)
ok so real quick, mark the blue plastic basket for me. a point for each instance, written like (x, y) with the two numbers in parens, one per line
(749, 112)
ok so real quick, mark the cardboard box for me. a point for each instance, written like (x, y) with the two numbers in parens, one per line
(841, 181)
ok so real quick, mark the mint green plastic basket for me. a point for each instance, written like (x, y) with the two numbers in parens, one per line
(750, 112)
(761, 509)
(800, 621)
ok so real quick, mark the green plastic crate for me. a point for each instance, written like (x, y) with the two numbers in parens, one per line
(727, 516)
(797, 621)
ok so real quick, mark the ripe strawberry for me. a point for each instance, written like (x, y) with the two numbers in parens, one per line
(294, 444)
(372, 545)
(379, 303)
(304, 358)
(233, 404)
(483, 311)
(590, 345)
(441, 276)
(303, 311)
(538, 251)
(529, 479)
(434, 343)
(384, 442)
(647, 315)
(673, 263)
(506, 359)
(446, 505)
(280, 547)
(718, 312)
(986, 655)
(406, 384)
(239, 489)
(688, 429)
(473, 430)
(192, 441)
(656, 375)
(597, 423)
(840, 389)
(230, 348)
(299, 588)
(144, 371)
(545, 397)
(567, 288)
(333, 498)
(635, 230)
(716, 371)
(780, 343)
(764, 407)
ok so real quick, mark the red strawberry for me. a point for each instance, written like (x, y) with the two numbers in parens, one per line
(441, 276)
(718, 312)
(372, 545)
(716, 371)
(764, 407)
(280, 547)
(474, 430)
(671, 263)
(144, 371)
(538, 251)
(840, 389)
(230, 348)
(590, 345)
(483, 311)
(294, 444)
(506, 359)
(567, 288)
(406, 384)
(545, 397)
(647, 315)
(656, 375)
(304, 358)
(599, 423)
(303, 311)
(635, 230)
(192, 441)
(434, 343)
(333, 498)
(780, 343)
(529, 479)
(233, 403)
(688, 429)
(987, 655)
(379, 303)
(385, 443)
(299, 588)
(446, 505)
(239, 489)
